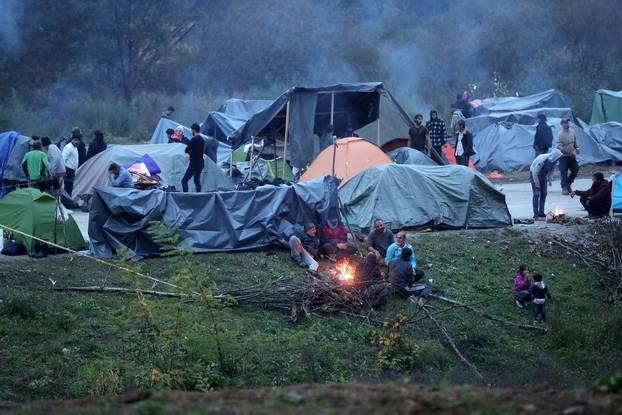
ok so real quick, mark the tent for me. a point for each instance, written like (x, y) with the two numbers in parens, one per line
(13, 147)
(525, 117)
(509, 147)
(217, 221)
(617, 193)
(407, 155)
(32, 212)
(607, 106)
(309, 112)
(159, 137)
(171, 158)
(243, 108)
(547, 99)
(609, 136)
(412, 196)
(352, 155)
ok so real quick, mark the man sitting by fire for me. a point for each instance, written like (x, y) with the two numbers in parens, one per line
(597, 199)
(395, 249)
(379, 240)
(405, 277)
(305, 247)
(334, 238)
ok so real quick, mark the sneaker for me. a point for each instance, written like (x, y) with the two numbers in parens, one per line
(550, 182)
(519, 304)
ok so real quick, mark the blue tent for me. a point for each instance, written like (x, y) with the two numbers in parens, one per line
(617, 193)
(11, 157)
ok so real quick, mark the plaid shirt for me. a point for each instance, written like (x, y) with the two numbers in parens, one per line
(437, 132)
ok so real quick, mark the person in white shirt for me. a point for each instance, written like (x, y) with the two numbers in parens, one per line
(70, 158)
(538, 174)
(57, 165)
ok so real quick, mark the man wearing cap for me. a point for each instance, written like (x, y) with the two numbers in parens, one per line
(305, 246)
(567, 144)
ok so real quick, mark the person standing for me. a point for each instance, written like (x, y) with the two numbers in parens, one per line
(567, 144)
(463, 149)
(539, 293)
(35, 165)
(56, 166)
(538, 176)
(71, 160)
(419, 137)
(597, 199)
(438, 132)
(97, 145)
(543, 140)
(77, 133)
(211, 146)
(194, 149)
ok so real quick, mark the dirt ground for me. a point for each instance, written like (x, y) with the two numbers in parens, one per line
(346, 399)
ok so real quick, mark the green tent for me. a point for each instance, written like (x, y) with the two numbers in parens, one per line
(607, 106)
(32, 212)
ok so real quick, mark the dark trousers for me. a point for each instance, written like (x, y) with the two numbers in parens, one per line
(539, 195)
(594, 206)
(42, 185)
(54, 184)
(69, 177)
(462, 161)
(329, 248)
(195, 172)
(416, 288)
(568, 163)
(538, 310)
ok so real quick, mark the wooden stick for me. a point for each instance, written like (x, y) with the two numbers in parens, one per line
(124, 290)
(453, 345)
(285, 139)
(486, 315)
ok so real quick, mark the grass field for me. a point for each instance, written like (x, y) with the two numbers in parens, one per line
(58, 345)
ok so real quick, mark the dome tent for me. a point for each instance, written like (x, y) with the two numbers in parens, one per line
(407, 155)
(412, 196)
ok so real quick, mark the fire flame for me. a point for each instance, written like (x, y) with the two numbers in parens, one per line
(558, 211)
(345, 272)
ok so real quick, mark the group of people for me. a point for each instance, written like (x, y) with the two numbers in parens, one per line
(196, 147)
(525, 290)
(596, 200)
(431, 137)
(48, 166)
(310, 244)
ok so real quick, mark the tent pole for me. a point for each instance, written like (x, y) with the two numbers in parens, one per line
(332, 109)
(231, 164)
(378, 130)
(286, 136)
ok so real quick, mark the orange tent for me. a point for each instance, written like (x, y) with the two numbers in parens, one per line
(352, 156)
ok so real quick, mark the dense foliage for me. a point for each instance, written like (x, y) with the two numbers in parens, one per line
(116, 64)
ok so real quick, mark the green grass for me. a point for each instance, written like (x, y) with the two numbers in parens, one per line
(67, 344)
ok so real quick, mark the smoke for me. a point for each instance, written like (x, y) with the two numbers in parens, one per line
(10, 12)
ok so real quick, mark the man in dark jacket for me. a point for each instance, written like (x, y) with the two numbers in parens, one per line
(463, 149)
(597, 199)
(379, 240)
(211, 146)
(437, 130)
(97, 145)
(404, 278)
(77, 133)
(543, 140)
(305, 247)
(195, 150)
(419, 136)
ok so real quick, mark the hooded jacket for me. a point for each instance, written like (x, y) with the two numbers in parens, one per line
(544, 163)
(544, 137)
(539, 292)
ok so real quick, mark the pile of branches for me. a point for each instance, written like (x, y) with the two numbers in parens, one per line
(601, 249)
(314, 294)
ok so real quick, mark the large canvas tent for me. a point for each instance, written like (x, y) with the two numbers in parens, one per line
(350, 155)
(32, 212)
(217, 221)
(609, 136)
(301, 115)
(171, 158)
(414, 196)
(13, 147)
(524, 117)
(546, 99)
(607, 106)
(509, 147)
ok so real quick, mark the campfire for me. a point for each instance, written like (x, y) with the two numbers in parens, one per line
(344, 272)
(557, 216)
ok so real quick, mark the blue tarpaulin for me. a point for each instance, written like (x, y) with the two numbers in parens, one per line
(7, 141)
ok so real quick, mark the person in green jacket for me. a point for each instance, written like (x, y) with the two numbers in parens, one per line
(35, 166)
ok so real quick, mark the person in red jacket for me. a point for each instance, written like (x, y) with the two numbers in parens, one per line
(597, 199)
(334, 238)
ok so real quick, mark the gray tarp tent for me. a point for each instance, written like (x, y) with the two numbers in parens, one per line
(218, 221)
(607, 106)
(547, 99)
(231, 116)
(526, 117)
(308, 112)
(407, 155)
(509, 147)
(609, 135)
(171, 158)
(13, 163)
(159, 137)
(414, 196)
